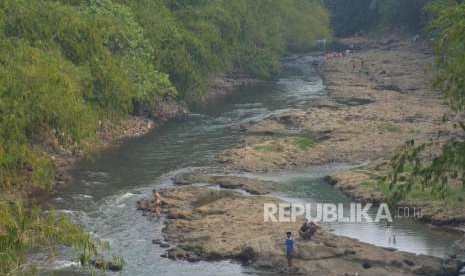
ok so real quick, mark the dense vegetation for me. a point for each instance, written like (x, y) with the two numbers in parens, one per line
(69, 68)
(26, 228)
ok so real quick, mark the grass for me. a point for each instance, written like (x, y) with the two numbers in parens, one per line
(305, 142)
(378, 186)
(273, 146)
(389, 127)
(453, 195)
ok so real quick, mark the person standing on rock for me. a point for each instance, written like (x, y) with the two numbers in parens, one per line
(156, 203)
(289, 248)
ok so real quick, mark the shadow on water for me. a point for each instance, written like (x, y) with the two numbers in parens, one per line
(104, 190)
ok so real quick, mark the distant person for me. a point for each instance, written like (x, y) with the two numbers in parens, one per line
(289, 248)
(304, 230)
(308, 229)
(157, 203)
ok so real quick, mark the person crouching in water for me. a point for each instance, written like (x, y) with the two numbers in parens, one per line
(156, 203)
(289, 248)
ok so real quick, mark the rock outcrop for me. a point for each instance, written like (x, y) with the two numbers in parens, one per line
(226, 181)
(220, 225)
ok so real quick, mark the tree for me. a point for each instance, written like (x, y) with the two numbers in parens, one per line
(432, 169)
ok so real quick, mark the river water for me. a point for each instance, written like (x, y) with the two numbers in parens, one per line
(104, 189)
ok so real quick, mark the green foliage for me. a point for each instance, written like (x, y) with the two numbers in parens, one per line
(414, 168)
(197, 39)
(305, 142)
(450, 47)
(63, 69)
(40, 95)
(24, 229)
(275, 146)
(68, 65)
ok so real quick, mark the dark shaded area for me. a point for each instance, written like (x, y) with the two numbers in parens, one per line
(359, 16)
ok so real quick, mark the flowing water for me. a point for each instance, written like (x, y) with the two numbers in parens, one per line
(104, 190)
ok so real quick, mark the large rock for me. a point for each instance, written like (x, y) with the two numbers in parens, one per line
(252, 185)
(231, 226)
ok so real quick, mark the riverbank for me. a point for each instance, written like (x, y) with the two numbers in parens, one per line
(137, 126)
(113, 134)
(379, 97)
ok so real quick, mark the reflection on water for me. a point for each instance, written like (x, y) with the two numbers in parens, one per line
(104, 190)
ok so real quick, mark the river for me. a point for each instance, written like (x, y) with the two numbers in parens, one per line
(104, 189)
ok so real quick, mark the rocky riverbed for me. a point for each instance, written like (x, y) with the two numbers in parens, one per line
(379, 97)
(208, 224)
(225, 180)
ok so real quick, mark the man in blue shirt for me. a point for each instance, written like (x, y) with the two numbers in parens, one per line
(289, 248)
